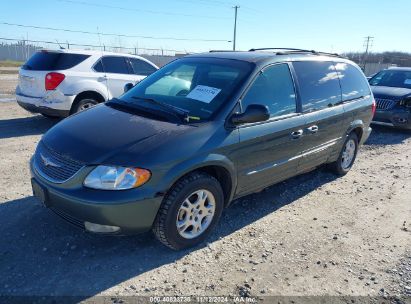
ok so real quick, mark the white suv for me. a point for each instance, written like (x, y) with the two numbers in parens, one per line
(63, 82)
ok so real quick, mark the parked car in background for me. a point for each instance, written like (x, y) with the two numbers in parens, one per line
(175, 150)
(63, 82)
(392, 92)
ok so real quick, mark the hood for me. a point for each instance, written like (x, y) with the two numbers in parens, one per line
(96, 135)
(390, 92)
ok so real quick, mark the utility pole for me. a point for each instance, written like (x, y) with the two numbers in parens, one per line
(235, 24)
(367, 44)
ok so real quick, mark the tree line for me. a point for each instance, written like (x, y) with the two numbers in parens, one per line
(395, 58)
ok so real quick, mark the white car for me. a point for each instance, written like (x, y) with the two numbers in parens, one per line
(60, 83)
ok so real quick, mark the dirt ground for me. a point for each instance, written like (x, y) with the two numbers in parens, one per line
(312, 235)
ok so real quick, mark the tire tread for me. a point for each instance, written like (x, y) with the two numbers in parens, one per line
(159, 226)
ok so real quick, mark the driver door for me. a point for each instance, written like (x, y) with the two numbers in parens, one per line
(269, 151)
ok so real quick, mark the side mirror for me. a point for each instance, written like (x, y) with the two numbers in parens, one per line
(253, 113)
(128, 87)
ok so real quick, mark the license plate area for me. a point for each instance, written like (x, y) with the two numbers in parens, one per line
(40, 192)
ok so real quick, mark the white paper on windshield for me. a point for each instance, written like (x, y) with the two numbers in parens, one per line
(203, 93)
(407, 81)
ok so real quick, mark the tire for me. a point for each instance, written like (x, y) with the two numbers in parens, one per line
(341, 166)
(84, 104)
(172, 211)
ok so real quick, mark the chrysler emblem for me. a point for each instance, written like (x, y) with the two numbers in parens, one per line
(47, 162)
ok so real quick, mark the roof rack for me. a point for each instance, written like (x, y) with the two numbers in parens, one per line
(213, 51)
(285, 51)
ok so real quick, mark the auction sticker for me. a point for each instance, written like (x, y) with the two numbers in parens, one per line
(203, 93)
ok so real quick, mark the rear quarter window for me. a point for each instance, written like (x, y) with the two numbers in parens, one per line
(319, 84)
(50, 61)
(353, 83)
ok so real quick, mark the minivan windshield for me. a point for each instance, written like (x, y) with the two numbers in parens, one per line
(194, 87)
(392, 78)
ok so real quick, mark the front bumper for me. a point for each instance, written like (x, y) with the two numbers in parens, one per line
(133, 210)
(399, 118)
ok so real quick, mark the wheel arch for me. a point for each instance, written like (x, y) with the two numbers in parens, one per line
(217, 166)
(87, 94)
(357, 127)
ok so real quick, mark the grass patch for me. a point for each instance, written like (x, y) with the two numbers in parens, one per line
(9, 72)
(10, 63)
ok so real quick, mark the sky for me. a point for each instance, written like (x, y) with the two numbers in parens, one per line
(324, 25)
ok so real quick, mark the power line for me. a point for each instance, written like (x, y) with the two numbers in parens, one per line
(139, 10)
(88, 45)
(111, 34)
(367, 44)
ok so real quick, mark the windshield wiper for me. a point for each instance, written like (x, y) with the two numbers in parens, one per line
(181, 113)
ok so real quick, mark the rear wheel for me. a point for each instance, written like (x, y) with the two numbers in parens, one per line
(347, 155)
(84, 104)
(189, 211)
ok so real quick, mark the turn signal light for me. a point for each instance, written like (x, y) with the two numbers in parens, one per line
(373, 107)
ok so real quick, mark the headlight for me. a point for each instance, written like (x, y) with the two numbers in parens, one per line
(116, 178)
(407, 102)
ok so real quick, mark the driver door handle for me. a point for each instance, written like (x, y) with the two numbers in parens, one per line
(297, 134)
(313, 129)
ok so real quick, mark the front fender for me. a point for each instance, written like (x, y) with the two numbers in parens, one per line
(198, 162)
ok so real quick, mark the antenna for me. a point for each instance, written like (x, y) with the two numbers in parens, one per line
(102, 63)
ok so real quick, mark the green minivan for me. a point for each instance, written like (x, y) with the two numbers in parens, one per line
(173, 151)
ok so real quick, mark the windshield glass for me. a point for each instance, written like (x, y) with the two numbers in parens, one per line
(195, 86)
(392, 78)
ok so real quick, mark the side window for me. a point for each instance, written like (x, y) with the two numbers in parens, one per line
(98, 66)
(274, 88)
(318, 83)
(353, 82)
(115, 64)
(141, 67)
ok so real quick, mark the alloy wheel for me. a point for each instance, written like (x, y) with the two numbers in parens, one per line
(195, 214)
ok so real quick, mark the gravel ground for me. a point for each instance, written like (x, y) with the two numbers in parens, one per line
(312, 235)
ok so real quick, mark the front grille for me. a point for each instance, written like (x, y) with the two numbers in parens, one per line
(385, 104)
(53, 166)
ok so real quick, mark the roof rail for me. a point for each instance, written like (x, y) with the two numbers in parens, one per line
(282, 49)
(285, 51)
(213, 51)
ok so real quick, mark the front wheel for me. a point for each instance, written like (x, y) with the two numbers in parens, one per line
(347, 155)
(189, 211)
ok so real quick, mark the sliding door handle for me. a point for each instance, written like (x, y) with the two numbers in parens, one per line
(313, 129)
(297, 134)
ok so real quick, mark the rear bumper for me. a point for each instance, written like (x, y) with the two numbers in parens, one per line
(53, 103)
(43, 110)
(398, 118)
(365, 135)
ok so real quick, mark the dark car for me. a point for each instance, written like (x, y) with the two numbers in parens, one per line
(174, 151)
(392, 92)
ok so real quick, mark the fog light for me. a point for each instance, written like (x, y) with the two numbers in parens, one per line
(92, 227)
